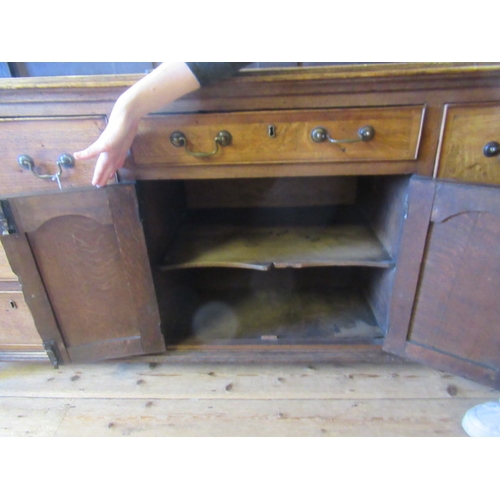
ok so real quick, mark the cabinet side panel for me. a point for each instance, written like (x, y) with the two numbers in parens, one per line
(24, 266)
(411, 252)
(135, 266)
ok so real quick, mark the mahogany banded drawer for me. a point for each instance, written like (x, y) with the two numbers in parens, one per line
(375, 134)
(470, 144)
(45, 142)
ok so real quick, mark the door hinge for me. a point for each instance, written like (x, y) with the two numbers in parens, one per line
(7, 224)
(406, 207)
(52, 351)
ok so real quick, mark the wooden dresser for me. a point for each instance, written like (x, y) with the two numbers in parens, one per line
(281, 213)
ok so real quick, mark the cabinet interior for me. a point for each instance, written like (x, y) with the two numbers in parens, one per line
(273, 262)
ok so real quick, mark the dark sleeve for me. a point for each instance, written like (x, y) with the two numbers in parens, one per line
(209, 72)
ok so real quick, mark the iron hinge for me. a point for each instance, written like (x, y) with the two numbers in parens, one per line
(52, 351)
(7, 224)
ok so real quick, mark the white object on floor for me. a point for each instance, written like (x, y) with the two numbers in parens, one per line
(483, 420)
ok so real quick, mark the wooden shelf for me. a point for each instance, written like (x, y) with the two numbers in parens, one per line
(271, 317)
(261, 248)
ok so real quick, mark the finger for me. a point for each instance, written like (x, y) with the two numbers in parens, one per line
(102, 170)
(91, 152)
(106, 168)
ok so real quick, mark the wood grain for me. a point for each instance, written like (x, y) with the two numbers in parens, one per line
(164, 398)
(91, 258)
(413, 241)
(24, 265)
(45, 139)
(6, 272)
(272, 317)
(344, 90)
(397, 134)
(276, 246)
(454, 318)
(456, 309)
(467, 130)
(16, 323)
(270, 192)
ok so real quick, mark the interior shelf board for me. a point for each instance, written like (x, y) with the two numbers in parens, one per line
(261, 248)
(286, 316)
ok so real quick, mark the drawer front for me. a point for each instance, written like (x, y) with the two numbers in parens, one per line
(45, 140)
(467, 130)
(6, 273)
(17, 328)
(281, 137)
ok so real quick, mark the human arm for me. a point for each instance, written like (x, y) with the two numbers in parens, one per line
(165, 84)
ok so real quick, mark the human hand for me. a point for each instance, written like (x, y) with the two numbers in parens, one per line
(112, 147)
(167, 82)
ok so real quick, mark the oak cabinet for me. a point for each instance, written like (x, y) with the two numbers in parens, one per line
(280, 240)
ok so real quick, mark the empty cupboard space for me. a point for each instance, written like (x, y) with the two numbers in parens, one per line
(273, 263)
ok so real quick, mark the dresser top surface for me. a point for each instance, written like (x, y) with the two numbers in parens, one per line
(331, 72)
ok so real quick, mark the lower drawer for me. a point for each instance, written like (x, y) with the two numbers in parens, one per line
(17, 329)
(6, 272)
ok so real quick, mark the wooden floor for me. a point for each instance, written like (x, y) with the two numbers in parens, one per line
(154, 396)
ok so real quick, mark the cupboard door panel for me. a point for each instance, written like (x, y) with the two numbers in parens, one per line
(462, 276)
(455, 324)
(79, 260)
(83, 244)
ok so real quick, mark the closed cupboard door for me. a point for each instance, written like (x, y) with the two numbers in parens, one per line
(82, 259)
(454, 323)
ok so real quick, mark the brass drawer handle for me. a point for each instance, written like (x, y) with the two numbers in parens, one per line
(223, 138)
(64, 160)
(491, 149)
(365, 134)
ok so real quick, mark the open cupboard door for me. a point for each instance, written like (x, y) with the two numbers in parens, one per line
(82, 260)
(445, 310)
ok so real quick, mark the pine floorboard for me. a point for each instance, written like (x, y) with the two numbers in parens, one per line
(157, 397)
